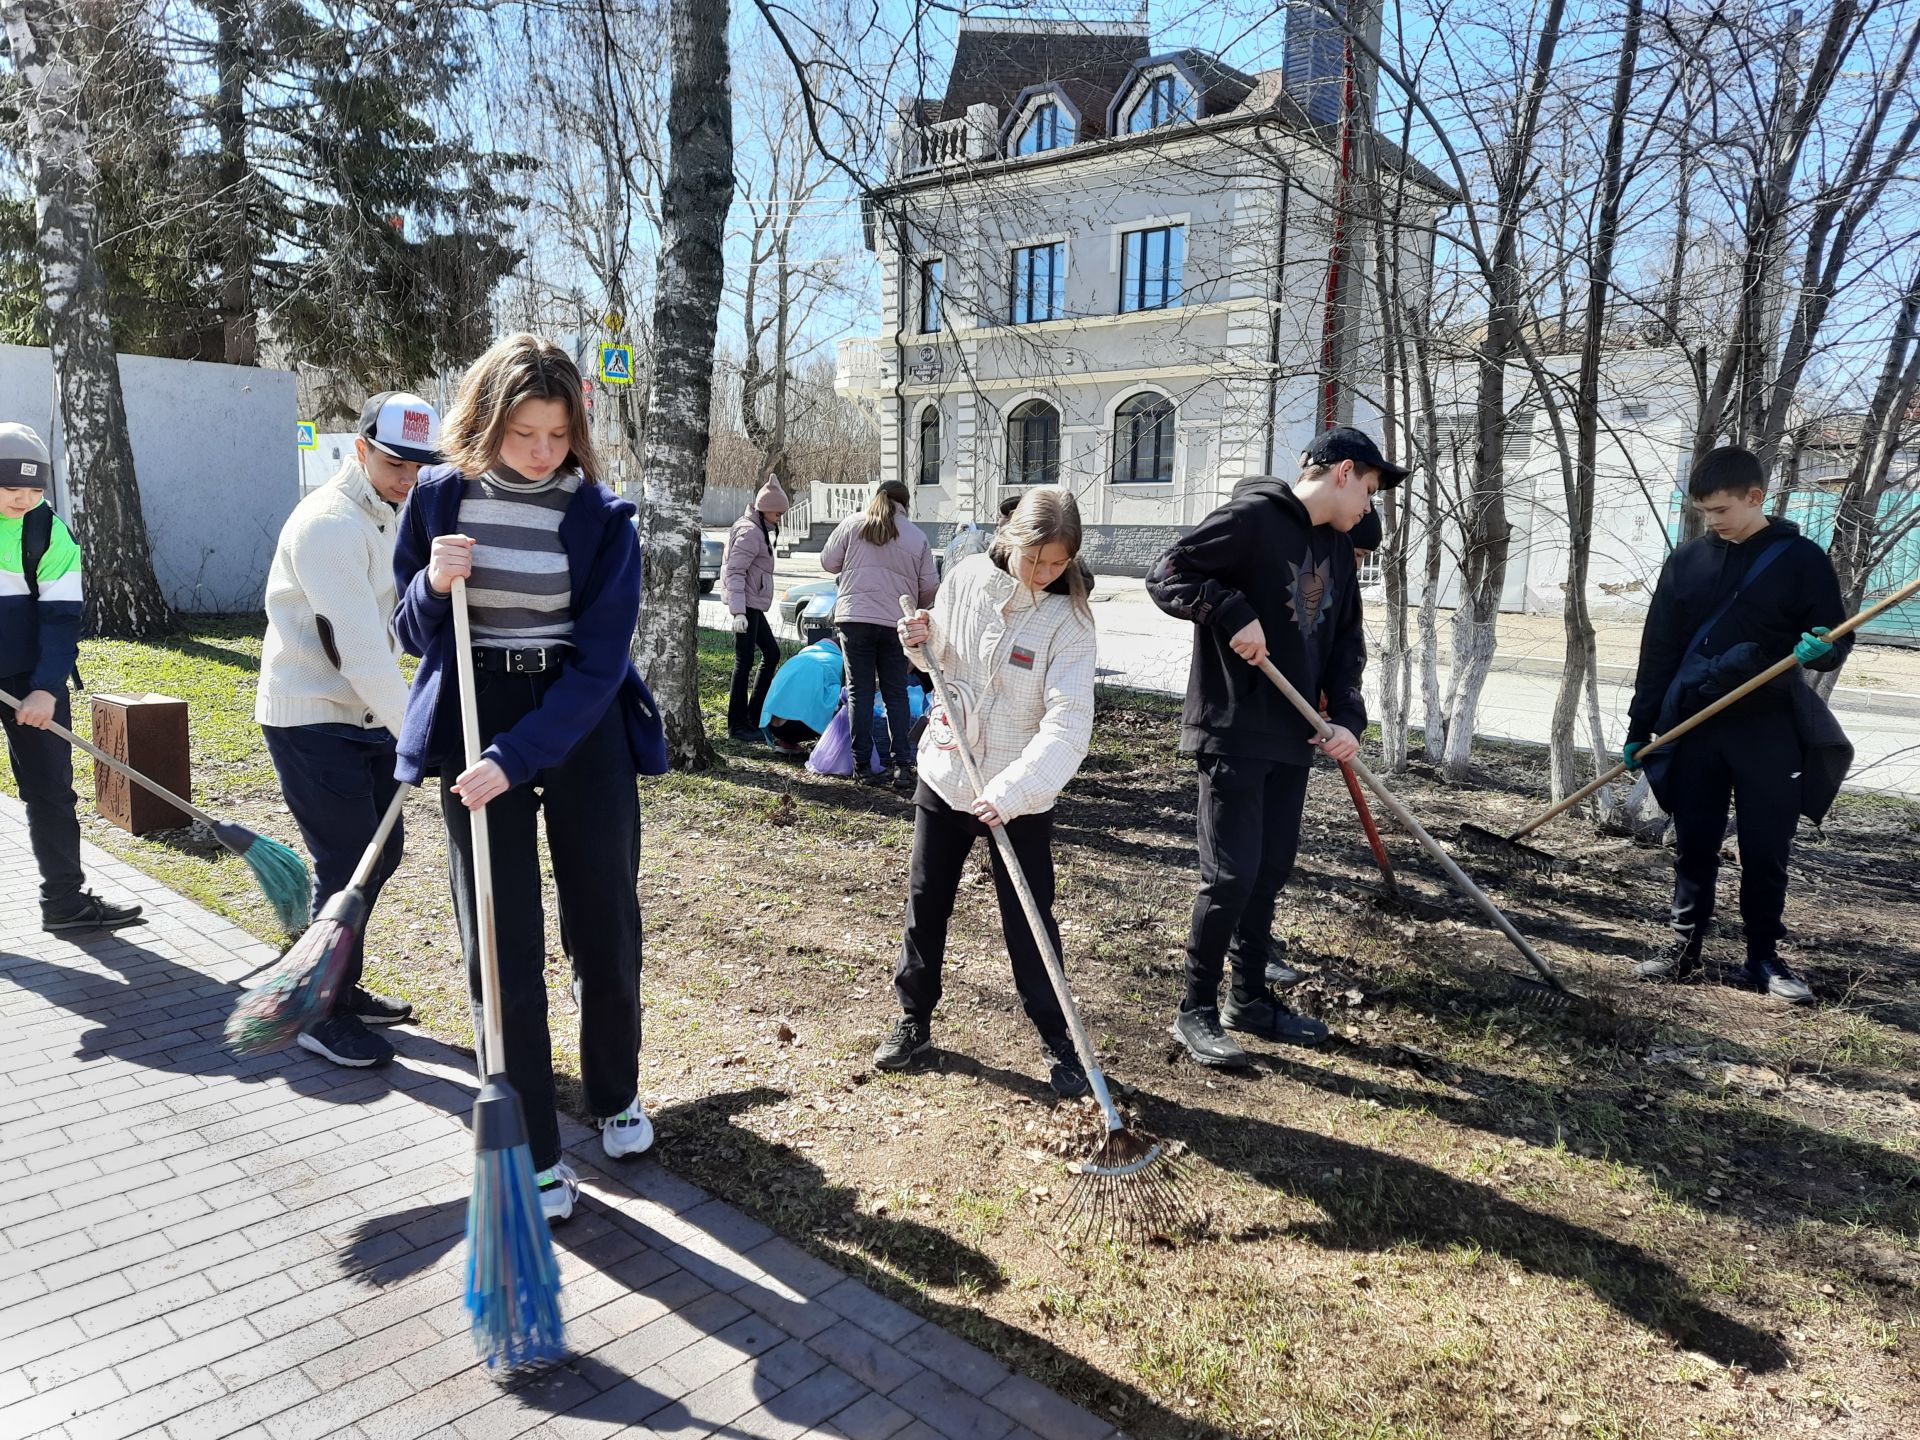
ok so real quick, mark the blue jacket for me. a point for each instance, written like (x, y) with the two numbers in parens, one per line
(807, 687)
(603, 559)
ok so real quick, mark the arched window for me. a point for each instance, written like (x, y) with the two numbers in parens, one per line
(1143, 440)
(1046, 129)
(1033, 444)
(930, 445)
(1163, 99)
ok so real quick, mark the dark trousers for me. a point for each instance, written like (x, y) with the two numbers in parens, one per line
(43, 770)
(1754, 764)
(743, 711)
(338, 785)
(592, 806)
(873, 656)
(1249, 829)
(942, 839)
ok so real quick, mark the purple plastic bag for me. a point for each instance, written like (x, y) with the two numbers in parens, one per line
(833, 754)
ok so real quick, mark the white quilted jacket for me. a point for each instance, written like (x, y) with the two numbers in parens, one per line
(1022, 666)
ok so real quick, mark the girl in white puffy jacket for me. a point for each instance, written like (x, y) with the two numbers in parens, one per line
(1014, 636)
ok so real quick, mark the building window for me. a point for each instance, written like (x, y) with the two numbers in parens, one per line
(931, 272)
(1143, 440)
(930, 445)
(1039, 288)
(1151, 261)
(1046, 129)
(1033, 444)
(1165, 99)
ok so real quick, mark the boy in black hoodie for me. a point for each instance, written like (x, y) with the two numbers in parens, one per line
(1728, 605)
(1269, 574)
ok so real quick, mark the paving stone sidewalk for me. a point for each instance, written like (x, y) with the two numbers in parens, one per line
(194, 1246)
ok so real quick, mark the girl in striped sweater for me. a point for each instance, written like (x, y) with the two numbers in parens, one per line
(552, 567)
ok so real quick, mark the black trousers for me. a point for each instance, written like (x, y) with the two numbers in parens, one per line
(942, 839)
(1752, 763)
(592, 806)
(873, 656)
(743, 710)
(1249, 831)
(338, 786)
(43, 769)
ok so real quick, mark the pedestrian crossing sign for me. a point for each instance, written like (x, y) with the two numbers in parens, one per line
(616, 364)
(308, 440)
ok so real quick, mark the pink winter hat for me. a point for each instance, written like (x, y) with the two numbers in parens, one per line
(771, 499)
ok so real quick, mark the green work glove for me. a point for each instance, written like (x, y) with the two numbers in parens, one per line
(1631, 754)
(1812, 647)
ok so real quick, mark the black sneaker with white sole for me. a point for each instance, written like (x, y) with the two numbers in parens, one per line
(1066, 1074)
(1265, 1016)
(1680, 963)
(87, 911)
(345, 1040)
(1199, 1030)
(375, 1009)
(910, 1042)
(1770, 974)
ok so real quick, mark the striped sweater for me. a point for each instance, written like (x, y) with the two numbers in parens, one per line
(520, 594)
(40, 641)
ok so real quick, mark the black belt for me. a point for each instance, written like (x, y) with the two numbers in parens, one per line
(535, 660)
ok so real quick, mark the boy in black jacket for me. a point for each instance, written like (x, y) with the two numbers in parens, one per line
(1728, 605)
(1269, 574)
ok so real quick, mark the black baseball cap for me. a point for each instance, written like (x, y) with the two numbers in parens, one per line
(403, 425)
(1344, 442)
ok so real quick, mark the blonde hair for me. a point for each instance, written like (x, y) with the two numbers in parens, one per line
(514, 370)
(879, 526)
(1046, 515)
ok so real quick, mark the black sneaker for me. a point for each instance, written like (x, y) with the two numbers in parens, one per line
(745, 735)
(1770, 973)
(1199, 1030)
(1266, 1016)
(375, 1009)
(910, 1043)
(1068, 1076)
(345, 1040)
(87, 911)
(871, 779)
(1272, 957)
(1678, 964)
(906, 779)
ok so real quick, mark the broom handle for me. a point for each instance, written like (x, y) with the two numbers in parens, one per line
(1699, 717)
(370, 857)
(1414, 828)
(496, 1045)
(125, 769)
(1056, 975)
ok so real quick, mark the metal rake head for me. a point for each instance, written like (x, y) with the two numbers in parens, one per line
(1510, 853)
(1132, 1187)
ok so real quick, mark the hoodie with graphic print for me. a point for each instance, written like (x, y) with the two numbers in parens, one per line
(1259, 557)
(39, 637)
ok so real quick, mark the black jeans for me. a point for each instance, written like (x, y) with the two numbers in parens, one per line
(43, 769)
(592, 806)
(743, 712)
(873, 653)
(942, 839)
(1249, 829)
(1754, 764)
(338, 784)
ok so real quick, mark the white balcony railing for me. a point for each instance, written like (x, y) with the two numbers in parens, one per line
(962, 140)
(856, 368)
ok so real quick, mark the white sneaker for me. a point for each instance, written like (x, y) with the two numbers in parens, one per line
(559, 1188)
(627, 1133)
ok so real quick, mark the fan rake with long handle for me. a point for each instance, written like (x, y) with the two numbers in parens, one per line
(1131, 1184)
(1548, 981)
(1509, 847)
(280, 872)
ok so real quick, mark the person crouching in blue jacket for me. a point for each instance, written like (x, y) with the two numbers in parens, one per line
(552, 566)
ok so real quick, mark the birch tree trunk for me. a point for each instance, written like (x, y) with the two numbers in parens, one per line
(123, 599)
(686, 317)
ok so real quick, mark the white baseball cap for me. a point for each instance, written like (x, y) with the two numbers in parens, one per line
(401, 424)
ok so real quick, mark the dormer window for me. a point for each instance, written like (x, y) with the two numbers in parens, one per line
(1046, 129)
(1040, 119)
(1163, 99)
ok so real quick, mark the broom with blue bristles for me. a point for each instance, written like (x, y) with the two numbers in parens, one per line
(513, 1284)
(281, 873)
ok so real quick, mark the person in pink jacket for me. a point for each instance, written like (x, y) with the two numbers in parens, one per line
(879, 556)
(746, 580)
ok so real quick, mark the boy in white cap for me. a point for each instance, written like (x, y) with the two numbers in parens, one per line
(39, 642)
(331, 695)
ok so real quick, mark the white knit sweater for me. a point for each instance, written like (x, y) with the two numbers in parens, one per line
(1022, 668)
(330, 656)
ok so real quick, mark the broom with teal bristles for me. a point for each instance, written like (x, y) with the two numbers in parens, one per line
(513, 1284)
(281, 873)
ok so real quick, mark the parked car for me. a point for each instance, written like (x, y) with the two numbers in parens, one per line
(713, 549)
(799, 596)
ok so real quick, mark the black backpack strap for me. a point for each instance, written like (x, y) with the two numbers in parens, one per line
(36, 538)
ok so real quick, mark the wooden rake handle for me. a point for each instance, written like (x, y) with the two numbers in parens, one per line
(1706, 713)
(120, 765)
(493, 1058)
(1414, 828)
